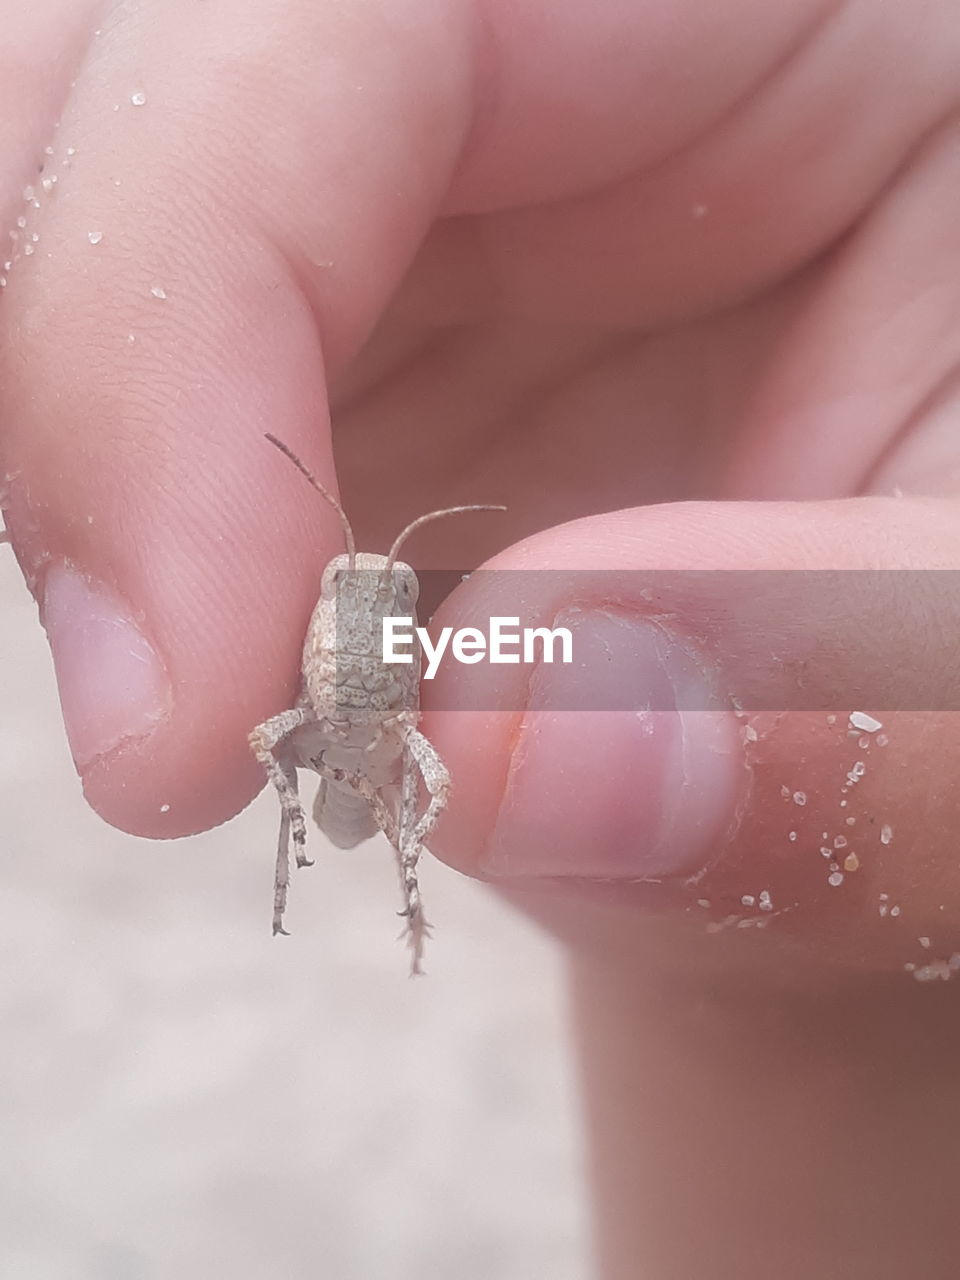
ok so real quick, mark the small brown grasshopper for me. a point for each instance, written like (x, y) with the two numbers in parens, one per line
(355, 721)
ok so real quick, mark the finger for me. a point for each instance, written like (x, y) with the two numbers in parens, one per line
(43, 44)
(243, 197)
(572, 99)
(705, 205)
(791, 819)
(858, 395)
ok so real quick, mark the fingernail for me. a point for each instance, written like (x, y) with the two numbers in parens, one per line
(621, 769)
(113, 686)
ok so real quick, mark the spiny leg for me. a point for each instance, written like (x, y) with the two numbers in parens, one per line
(418, 751)
(436, 779)
(281, 876)
(418, 929)
(263, 741)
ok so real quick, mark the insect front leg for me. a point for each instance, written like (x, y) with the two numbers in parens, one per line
(264, 741)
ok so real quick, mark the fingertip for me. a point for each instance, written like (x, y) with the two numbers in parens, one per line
(176, 622)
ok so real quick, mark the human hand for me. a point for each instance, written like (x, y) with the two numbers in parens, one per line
(689, 253)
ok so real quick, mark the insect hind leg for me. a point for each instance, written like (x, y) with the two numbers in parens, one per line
(399, 835)
(421, 760)
(436, 779)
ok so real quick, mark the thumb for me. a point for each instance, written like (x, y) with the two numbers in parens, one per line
(770, 751)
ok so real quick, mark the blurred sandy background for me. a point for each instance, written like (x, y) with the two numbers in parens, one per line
(182, 1095)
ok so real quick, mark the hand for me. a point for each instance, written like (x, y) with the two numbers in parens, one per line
(686, 252)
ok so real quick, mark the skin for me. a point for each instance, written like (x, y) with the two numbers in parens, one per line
(680, 275)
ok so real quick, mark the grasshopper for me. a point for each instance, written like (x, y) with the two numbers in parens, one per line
(355, 721)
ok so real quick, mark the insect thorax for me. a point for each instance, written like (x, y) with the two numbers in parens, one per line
(345, 676)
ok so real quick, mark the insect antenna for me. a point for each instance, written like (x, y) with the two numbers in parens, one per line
(327, 497)
(421, 520)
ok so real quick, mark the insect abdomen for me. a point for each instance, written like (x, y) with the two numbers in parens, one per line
(344, 817)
